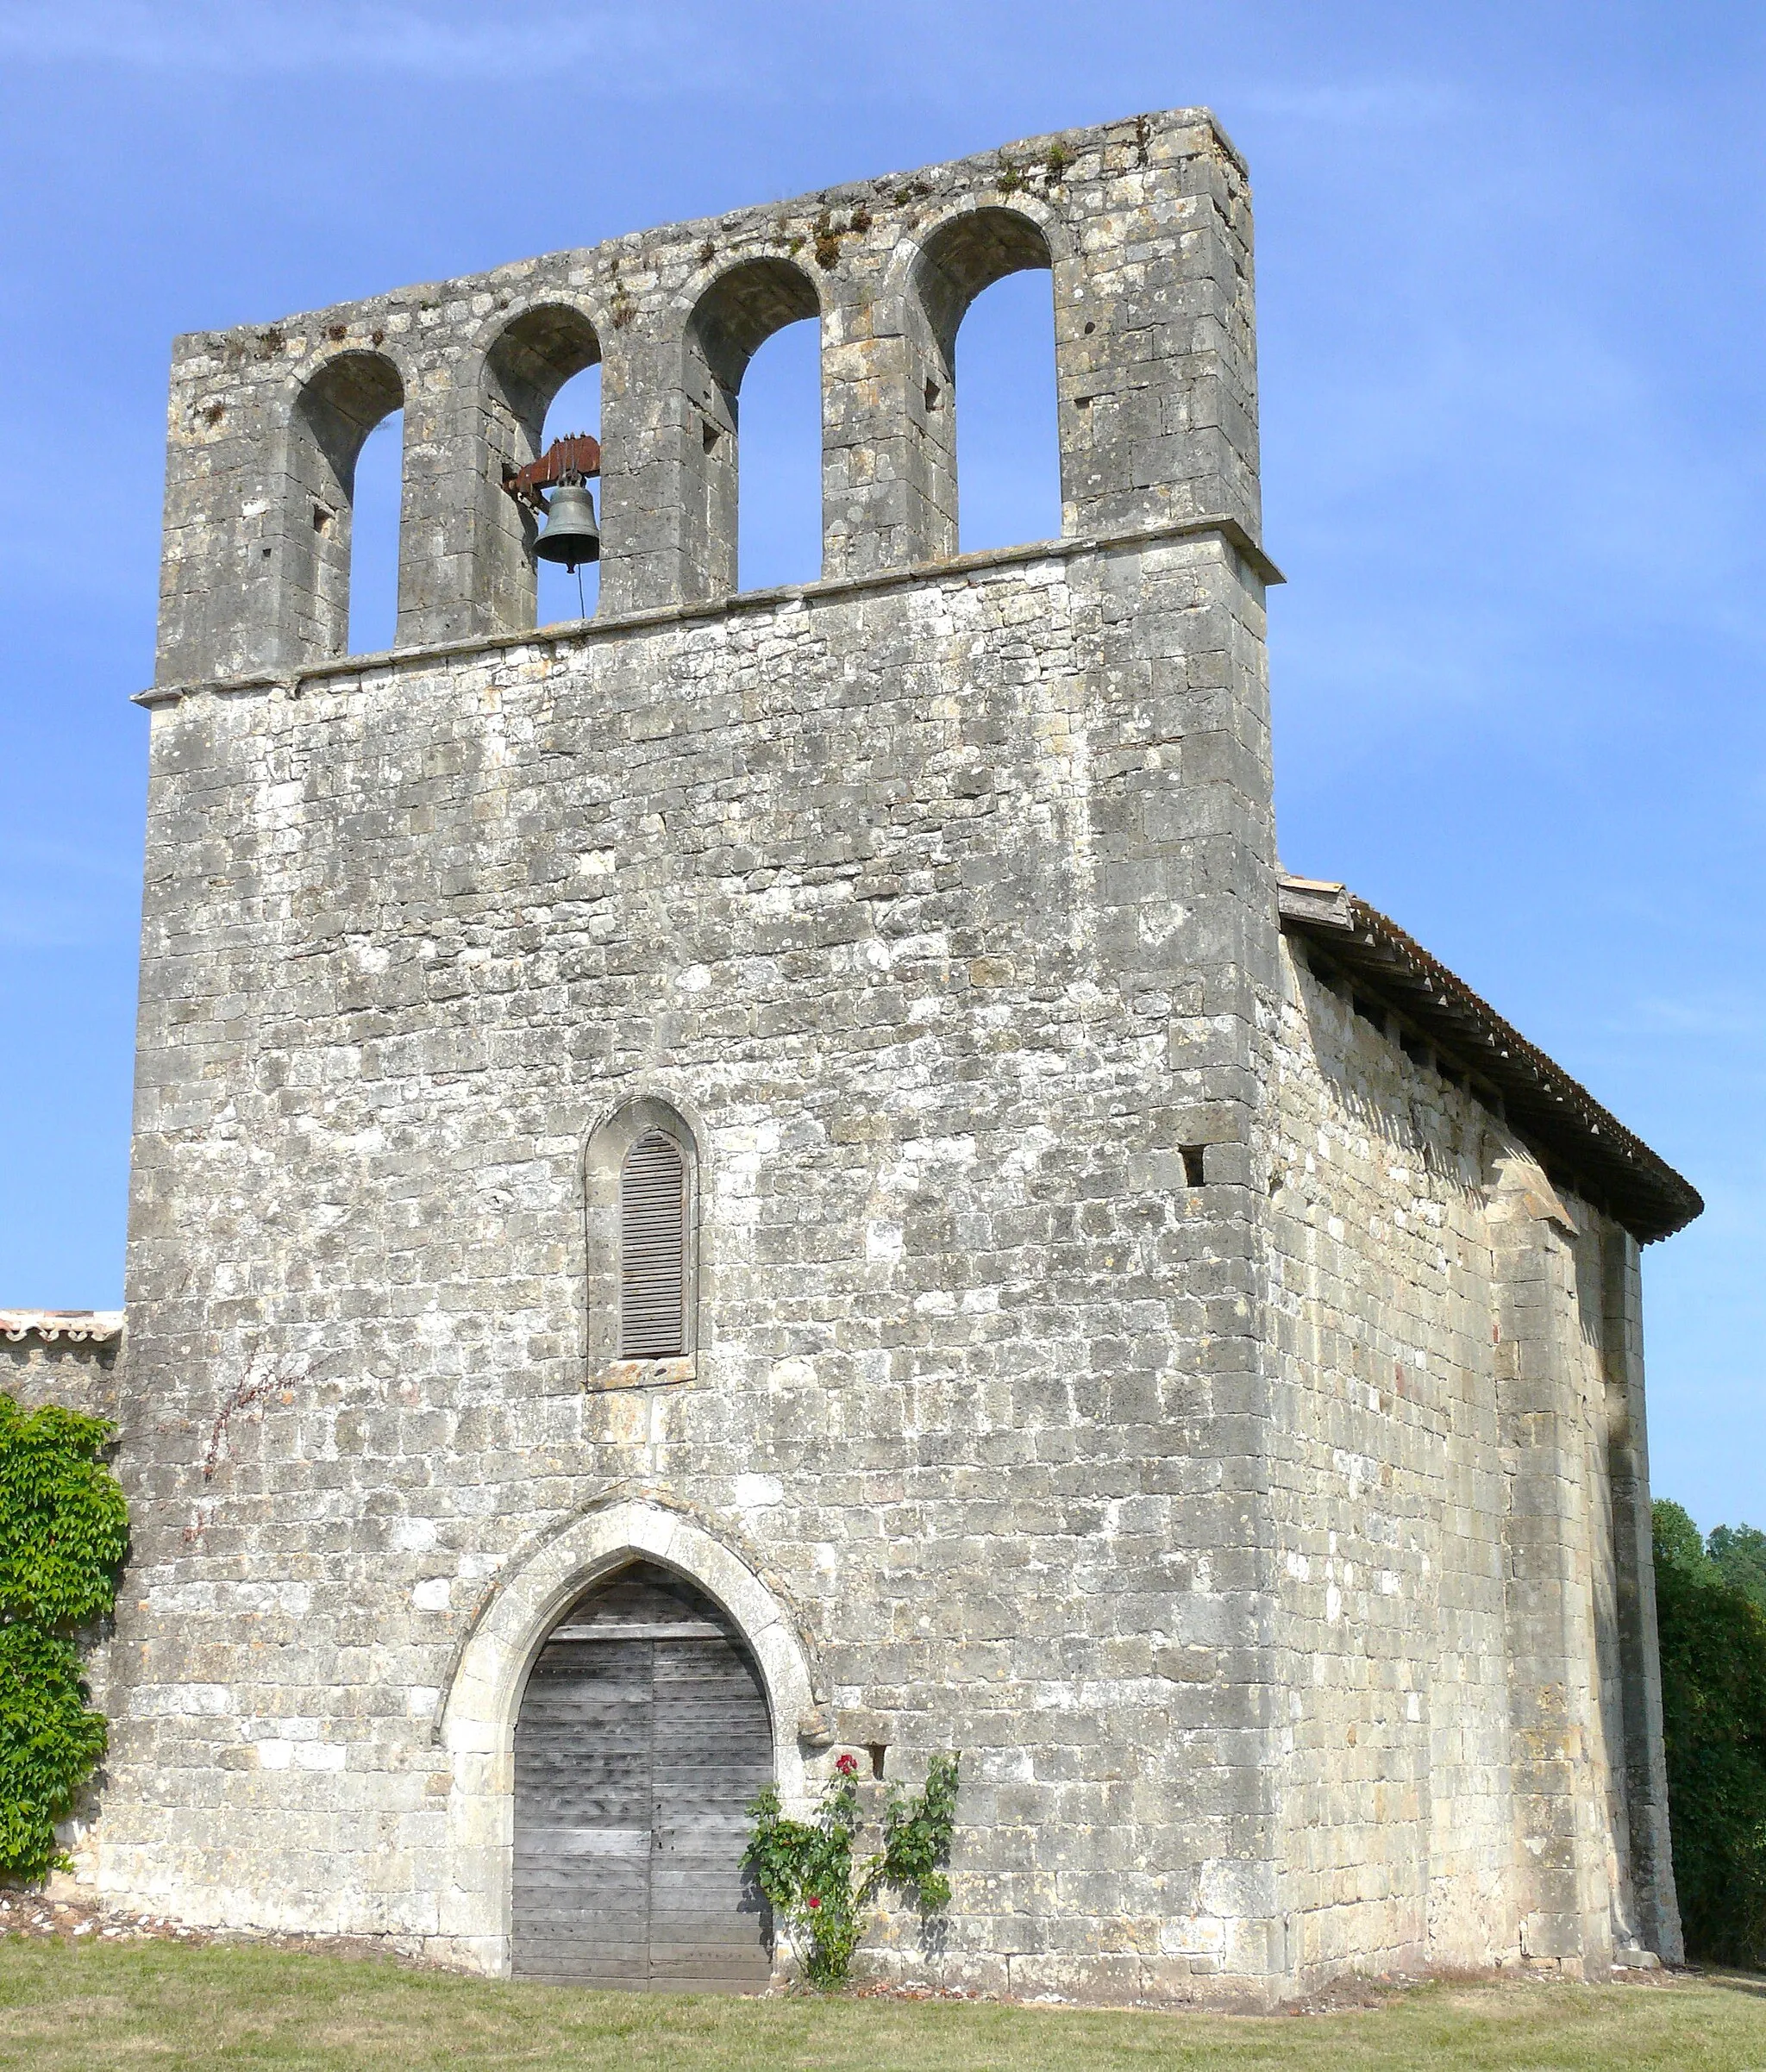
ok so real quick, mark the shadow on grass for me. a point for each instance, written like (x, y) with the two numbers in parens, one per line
(1726, 1981)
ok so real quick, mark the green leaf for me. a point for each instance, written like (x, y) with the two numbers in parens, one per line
(64, 1526)
(1712, 1639)
(818, 1896)
(63, 1529)
(48, 1744)
(1739, 1554)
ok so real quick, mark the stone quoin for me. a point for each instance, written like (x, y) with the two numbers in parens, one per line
(818, 1110)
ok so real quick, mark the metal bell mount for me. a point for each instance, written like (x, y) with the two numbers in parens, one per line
(571, 534)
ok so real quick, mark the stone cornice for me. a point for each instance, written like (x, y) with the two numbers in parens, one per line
(735, 605)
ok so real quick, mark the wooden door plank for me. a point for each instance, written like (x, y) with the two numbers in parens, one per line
(584, 1807)
(712, 1751)
(642, 1736)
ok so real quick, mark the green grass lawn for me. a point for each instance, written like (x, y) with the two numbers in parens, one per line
(75, 2008)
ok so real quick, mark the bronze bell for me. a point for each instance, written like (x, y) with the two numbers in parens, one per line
(571, 534)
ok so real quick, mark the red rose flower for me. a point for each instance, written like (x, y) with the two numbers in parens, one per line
(846, 1765)
(814, 1901)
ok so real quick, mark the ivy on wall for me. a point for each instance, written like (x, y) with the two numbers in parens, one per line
(64, 1528)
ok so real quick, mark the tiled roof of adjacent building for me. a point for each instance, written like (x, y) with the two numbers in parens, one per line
(1580, 1140)
(78, 1326)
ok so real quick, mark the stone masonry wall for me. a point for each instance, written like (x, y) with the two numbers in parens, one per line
(894, 893)
(1414, 1828)
(46, 1357)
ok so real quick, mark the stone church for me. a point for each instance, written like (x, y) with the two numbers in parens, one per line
(771, 1174)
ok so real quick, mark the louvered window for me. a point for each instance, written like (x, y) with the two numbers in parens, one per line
(653, 1250)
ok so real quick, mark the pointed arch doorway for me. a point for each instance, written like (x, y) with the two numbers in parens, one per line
(643, 1733)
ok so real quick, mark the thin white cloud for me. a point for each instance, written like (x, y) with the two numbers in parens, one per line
(61, 859)
(57, 894)
(565, 55)
(41, 921)
(1693, 1015)
(1390, 102)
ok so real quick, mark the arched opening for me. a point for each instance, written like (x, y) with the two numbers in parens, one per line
(987, 276)
(373, 537)
(643, 1734)
(483, 1690)
(535, 358)
(332, 496)
(1008, 450)
(778, 483)
(563, 595)
(733, 319)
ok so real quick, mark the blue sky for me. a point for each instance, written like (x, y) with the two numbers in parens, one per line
(1512, 277)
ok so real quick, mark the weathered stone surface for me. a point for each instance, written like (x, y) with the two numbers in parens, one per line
(1092, 1364)
(1476, 1729)
(1145, 226)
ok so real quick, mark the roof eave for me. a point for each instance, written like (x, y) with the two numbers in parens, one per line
(1545, 1105)
(78, 1327)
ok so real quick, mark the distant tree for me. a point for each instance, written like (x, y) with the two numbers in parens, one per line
(1678, 1539)
(1740, 1552)
(1714, 1719)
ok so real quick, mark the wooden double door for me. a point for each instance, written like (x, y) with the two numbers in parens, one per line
(642, 1736)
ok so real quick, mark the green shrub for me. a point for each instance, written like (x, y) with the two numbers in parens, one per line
(1713, 1719)
(818, 1894)
(63, 1529)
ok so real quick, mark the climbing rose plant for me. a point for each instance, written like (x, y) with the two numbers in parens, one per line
(816, 1889)
(63, 1531)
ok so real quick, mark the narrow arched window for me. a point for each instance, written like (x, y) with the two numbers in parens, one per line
(563, 594)
(1008, 440)
(541, 378)
(1008, 461)
(375, 496)
(730, 323)
(653, 1264)
(339, 594)
(778, 485)
(641, 1199)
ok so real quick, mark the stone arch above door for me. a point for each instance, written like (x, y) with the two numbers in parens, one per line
(479, 1706)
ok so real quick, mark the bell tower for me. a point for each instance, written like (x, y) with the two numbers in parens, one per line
(874, 966)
